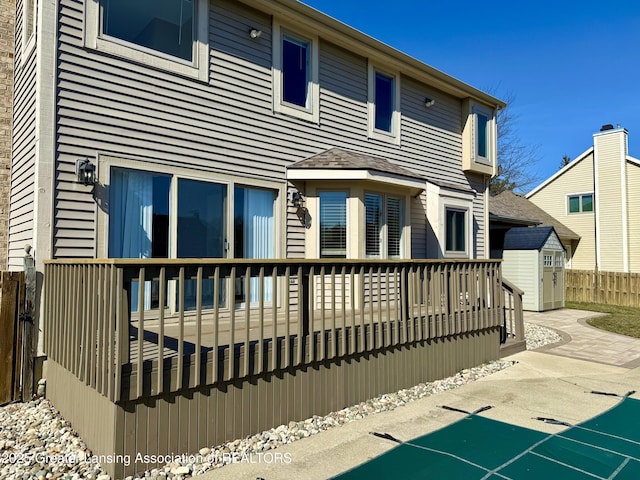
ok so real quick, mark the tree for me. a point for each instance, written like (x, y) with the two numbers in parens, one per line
(515, 159)
(566, 160)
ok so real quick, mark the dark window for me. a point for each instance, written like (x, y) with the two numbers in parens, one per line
(162, 25)
(295, 71)
(581, 203)
(456, 230)
(333, 224)
(482, 135)
(384, 102)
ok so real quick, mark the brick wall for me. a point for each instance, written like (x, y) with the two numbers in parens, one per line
(7, 23)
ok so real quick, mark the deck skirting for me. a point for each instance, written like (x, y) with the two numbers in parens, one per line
(183, 422)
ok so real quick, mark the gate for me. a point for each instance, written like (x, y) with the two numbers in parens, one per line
(12, 296)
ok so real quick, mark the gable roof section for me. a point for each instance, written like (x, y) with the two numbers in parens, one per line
(516, 208)
(338, 164)
(527, 238)
(560, 172)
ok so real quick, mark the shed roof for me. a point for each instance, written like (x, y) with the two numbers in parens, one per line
(527, 238)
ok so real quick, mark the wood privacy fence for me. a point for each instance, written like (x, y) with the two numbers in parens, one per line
(174, 355)
(12, 294)
(609, 288)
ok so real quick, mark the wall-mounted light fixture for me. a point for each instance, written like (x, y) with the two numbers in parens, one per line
(302, 212)
(297, 200)
(86, 171)
(429, 102)
(255, 33)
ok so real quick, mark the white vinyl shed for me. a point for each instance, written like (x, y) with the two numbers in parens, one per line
(533, 260)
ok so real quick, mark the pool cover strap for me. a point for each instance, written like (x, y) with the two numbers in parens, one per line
(605, 447)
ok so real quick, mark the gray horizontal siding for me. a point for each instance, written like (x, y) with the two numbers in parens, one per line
(23, 151)
(476, 182)
(108, 104)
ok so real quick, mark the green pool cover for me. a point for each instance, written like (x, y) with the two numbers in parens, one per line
(605, 447)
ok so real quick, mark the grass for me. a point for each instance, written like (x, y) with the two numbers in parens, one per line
(622, 320)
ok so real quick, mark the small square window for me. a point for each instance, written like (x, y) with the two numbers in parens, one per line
(456, 230)
(587, 203)
(574, 204)
(165, 26)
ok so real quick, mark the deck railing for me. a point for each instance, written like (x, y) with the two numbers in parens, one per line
(131, 328)
(513, 315)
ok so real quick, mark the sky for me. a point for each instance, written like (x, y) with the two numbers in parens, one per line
(571, 66)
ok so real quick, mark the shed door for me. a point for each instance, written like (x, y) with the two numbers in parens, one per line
(552, 279)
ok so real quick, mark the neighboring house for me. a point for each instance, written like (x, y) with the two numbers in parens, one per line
(200, 117)
(597, 196)
(510, 210)
(7, 26)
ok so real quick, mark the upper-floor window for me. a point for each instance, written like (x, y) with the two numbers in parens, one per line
(479, 138)
(581, 203)
(295, 71)
(384, 105)
(167, 34)
(483, 137)
(383, 226)
(295, 74)
(166, 26)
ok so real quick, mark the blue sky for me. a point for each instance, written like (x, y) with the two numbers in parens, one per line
(571, 65)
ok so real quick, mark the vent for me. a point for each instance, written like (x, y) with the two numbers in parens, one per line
(606, 127)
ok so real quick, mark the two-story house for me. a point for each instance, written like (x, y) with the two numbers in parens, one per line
(236, 130)
(596, 195)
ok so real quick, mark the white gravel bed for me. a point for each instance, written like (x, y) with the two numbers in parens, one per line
(538, 336)
(37, 443)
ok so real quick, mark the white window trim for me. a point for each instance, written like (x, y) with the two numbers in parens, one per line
(394, 135)
(28, 40)
(311, 114)
(491, 154)
(580, 195)
(198, 68)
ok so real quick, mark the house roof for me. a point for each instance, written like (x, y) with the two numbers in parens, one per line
(360, 43)
(339, 164)
(527, 238)
(567, 167)
(514, 208)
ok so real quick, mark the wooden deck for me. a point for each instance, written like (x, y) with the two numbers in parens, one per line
(344, 331)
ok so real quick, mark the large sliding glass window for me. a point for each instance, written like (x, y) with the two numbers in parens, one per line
(139, 222)
(254, 236)
(333, 224)
(165, 26)
(162, 216)
(201, 232)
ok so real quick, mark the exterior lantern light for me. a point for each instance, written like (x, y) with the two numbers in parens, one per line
(86, 171)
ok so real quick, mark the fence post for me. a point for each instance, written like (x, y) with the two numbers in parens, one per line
(26, 319)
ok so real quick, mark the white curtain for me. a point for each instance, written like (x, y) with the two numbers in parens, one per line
(259, 235)
(131, 221)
